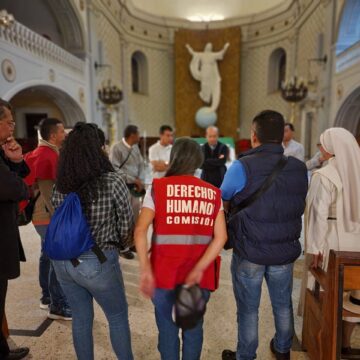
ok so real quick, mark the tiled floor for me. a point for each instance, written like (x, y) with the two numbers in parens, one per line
(56, 343)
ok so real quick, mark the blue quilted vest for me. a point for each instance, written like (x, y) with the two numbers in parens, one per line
(268, 231)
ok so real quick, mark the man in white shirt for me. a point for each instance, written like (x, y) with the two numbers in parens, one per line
(159, 153)
(292, 147)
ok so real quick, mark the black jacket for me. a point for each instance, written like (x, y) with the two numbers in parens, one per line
(214, 169)
(12, 190)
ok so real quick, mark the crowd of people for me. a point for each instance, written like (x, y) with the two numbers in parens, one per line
(263, 194)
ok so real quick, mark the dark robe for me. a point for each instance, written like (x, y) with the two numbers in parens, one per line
(213, 168)
(12, 191)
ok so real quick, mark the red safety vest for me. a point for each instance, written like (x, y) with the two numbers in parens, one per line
(185, 212)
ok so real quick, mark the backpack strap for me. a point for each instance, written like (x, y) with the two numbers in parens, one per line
(97, 251)
(263, 188)
(127, 158)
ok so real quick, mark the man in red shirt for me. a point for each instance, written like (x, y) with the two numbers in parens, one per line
(43, 165)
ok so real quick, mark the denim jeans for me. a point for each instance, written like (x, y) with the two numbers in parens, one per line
(169, 342)
(49, 284)
(104, 283)
(247, 281)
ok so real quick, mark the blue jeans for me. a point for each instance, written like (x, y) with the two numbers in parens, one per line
(50, 287)
(169, 342)
(247, 281)
(104, 283)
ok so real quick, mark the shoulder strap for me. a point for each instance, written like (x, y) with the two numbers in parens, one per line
(263, 188)
(124, 162)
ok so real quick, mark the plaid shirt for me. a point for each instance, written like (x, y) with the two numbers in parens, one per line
(110, 218)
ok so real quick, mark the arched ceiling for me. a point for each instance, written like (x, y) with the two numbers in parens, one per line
(205, 10)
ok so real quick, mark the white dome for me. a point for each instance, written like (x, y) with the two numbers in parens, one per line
(205, 10)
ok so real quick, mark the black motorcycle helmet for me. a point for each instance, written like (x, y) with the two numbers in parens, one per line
(189, 307)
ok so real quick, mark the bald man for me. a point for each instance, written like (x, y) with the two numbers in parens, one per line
(215, 155)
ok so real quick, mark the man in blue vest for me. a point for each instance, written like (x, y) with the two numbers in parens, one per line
(265, 234)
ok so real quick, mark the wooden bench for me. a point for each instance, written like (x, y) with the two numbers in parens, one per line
(323, 313)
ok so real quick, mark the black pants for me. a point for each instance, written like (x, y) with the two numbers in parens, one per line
(4, 348)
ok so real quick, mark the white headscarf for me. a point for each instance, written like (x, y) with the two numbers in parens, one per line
(341, 143)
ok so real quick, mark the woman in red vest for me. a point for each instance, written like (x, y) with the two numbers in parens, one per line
(189, 233)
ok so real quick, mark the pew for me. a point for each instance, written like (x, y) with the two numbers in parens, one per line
(323, 312)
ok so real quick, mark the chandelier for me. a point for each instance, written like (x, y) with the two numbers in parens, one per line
(110, 94)
(294, 90)
(6, 19)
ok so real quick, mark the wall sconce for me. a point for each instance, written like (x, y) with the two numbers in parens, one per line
(98, 66)
(319, 60)
(314, 81)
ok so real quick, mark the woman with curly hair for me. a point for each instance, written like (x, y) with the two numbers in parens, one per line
(84, 168)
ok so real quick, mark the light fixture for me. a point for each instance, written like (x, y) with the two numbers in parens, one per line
(313, 80)
(206, 18)
(319, 60)
(6, 19)
(293, 91)
(110, 94)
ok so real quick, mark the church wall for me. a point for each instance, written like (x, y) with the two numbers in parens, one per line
(156, 107)
(297, 33)
(295, 29)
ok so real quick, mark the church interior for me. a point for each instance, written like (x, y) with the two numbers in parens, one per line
(189, 65)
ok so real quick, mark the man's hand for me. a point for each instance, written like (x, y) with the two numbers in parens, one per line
(159, 165)
(13, 150)
(221, 156)
(147, 282)
(317, 261)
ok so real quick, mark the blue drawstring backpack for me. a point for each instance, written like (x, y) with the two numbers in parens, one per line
(68, 234)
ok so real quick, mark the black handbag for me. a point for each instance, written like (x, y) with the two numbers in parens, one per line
(25, 216)
(252, 198)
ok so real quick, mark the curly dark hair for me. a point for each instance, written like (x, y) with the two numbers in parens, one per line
(82, 163)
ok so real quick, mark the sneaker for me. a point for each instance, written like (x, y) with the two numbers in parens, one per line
(59, 314)
(17, 354)
(279, 355)
(45, 303)
(129, 255)
(228, 355)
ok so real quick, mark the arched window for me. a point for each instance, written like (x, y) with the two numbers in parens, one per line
(139, 73)
(277, 70)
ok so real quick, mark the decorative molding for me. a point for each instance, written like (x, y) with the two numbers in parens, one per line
(8, 70)
(183, 23)
(339, 92)
(52, 75)
(30, 41)
(348, 58)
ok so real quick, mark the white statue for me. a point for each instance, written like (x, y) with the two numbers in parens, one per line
(204, 68)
